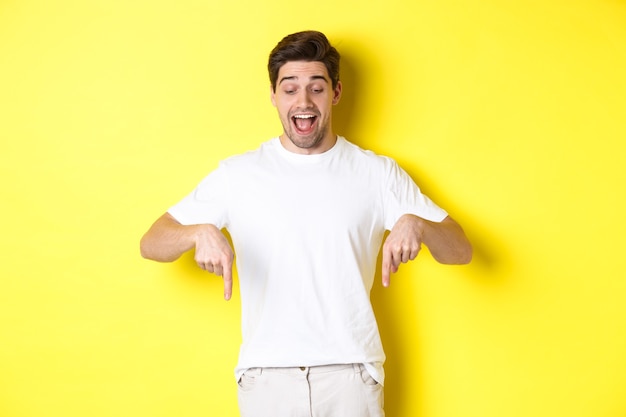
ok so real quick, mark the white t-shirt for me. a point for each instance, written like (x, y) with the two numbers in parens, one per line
(307, 231)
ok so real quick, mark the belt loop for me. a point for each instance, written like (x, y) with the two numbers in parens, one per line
(357, 368)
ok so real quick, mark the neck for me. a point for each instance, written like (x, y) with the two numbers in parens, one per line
(322, 146)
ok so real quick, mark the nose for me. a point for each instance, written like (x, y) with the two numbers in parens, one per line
(304, 99)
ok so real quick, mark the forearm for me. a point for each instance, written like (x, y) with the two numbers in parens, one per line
(167, 239)
(447, 242)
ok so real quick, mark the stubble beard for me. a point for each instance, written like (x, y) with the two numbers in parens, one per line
(306, 142)
(310, 141)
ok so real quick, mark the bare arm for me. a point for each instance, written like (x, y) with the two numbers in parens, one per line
(445, 240)
(167, 240)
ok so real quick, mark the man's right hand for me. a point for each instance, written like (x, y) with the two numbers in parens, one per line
(167, 240)
(214, 254)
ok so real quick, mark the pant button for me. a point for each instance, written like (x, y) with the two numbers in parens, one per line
(302, 368)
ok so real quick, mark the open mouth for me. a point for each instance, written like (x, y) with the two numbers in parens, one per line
(304, 123)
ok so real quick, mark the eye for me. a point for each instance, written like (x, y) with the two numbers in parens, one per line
(317, 90)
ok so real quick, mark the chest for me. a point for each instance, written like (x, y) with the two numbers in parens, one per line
(313, 201)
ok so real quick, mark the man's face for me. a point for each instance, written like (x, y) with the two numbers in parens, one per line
(304, 98)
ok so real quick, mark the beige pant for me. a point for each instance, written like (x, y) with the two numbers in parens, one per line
(319, 391)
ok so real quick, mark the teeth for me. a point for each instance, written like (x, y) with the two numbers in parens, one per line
(303, 116)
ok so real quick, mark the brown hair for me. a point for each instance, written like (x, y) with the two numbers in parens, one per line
(304, 46)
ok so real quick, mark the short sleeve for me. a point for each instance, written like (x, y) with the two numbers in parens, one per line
(207, 203)
(402, 196)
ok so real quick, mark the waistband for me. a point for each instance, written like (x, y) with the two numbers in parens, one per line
(306, 370)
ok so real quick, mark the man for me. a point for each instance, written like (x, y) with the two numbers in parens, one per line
(307, 213)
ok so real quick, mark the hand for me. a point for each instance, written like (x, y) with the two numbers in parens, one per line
(402, 245)
(213, 254)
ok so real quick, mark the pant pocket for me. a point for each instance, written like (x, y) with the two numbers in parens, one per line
(366, 377)
(248, 380)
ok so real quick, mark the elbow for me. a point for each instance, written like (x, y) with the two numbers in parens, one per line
(155, 256)
(461, 255)
(463, 251)
(149, 252)
(144, 250)
(145, 254)
(465, 256)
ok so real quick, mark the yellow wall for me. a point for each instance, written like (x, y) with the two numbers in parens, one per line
(510, 114)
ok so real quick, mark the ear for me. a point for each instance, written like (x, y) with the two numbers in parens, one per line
(273, 96)
(337, 93)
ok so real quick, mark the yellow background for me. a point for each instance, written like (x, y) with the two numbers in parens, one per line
(510, 114)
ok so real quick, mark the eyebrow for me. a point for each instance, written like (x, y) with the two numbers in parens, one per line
(295, 77)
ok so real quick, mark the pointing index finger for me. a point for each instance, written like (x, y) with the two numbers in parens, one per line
(228, 282)
(386, 268)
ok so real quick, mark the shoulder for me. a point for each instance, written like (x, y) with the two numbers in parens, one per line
(370, 158)
(263, 152)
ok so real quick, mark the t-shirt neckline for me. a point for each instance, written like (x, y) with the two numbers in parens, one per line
(302, 158)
